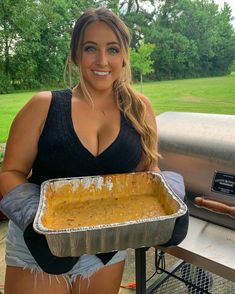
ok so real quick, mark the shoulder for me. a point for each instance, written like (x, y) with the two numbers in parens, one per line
(41, 98)
(39, 102)
(38, 106)
(149, 111)
(35, 110)
(146, 102)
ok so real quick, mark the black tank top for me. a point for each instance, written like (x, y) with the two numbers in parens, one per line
(61, 154)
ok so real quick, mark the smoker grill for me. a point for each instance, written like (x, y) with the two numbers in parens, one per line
(202, 148)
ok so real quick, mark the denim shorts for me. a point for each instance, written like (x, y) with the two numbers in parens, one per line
(18, 255)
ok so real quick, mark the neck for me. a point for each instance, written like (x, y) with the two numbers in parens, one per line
(97, 97)
(103, 101)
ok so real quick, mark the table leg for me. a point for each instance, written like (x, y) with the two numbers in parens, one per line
(140, 270)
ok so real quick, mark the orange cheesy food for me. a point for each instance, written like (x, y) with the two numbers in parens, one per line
(110, 201)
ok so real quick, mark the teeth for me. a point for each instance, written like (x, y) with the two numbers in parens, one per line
(101, 73)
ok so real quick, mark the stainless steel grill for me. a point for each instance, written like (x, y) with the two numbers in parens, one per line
(202, 148)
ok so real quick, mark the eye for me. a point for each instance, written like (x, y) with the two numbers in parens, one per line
(113, 50)
(89, 49)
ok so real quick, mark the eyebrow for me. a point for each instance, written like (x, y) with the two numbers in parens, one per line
(109, 43)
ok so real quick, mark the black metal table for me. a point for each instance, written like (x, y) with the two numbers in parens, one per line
(207, 245)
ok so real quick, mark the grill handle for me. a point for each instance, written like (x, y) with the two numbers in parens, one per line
(215, 206)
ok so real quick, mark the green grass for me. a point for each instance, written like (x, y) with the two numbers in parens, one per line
(10, 104)
(207, 95)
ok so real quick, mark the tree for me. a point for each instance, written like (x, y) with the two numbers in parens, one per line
(34, 45)
(15, 26)
(141, 60)
(224, 47)
(191, 38)
(232, 67)
(211, 31)
(174, 55)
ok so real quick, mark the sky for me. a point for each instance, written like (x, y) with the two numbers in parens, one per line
(231, 3)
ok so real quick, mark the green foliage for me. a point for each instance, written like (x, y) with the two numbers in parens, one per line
(192, 38)
(140, 25)
(141, 58)
(5, 84)
(175, 56)
(16, 28)
(205, 28)
(35, 44)
(232, 67)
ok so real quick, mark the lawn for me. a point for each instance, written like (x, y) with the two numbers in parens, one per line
(10, 104)
(208, 95)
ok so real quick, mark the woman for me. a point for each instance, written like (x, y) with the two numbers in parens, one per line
(100, 126)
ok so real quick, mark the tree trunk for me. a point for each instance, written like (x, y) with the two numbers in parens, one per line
(141, 82)
(6, 53)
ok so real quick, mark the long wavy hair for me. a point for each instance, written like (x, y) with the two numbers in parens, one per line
(128, 101)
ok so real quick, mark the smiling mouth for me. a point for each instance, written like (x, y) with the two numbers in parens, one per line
(101, 73)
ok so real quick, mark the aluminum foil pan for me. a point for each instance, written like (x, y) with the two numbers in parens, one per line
(75, 241)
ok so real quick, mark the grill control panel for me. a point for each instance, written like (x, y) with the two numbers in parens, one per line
(224, 183)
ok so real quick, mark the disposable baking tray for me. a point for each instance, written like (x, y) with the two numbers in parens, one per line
(135, 233)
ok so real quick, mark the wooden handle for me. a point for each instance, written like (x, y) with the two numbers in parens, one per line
(215, 206)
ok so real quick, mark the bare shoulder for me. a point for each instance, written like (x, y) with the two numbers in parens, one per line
(40, 100)
(146, 101)
(33, 114)
(148, 104)
(24, 134)
(141, 96)
(37, 107)
(43, 95)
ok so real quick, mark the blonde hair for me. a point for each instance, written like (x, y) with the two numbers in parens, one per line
(128, 101)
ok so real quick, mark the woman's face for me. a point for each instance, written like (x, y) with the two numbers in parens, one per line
(101, 59)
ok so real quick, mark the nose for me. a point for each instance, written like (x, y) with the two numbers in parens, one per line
(102, 59)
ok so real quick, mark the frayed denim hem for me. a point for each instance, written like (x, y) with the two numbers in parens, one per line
(36, 271)
(18, 255)
(70, 277)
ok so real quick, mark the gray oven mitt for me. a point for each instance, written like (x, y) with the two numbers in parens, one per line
(20, 205)
(176, 182)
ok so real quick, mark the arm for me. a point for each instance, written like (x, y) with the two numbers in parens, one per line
(151, 121)
(21, 199)
(174, 180)
(21, 148)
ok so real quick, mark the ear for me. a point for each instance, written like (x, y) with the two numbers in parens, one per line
(123, 63)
